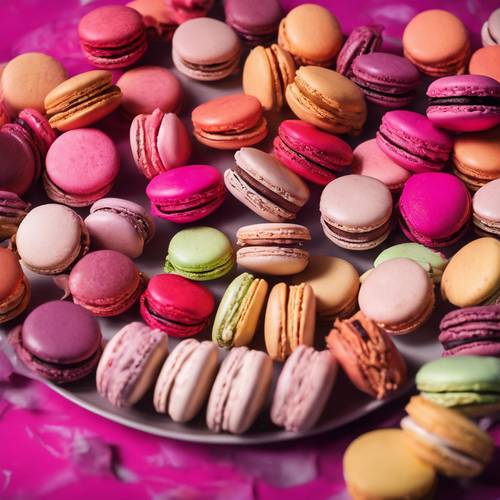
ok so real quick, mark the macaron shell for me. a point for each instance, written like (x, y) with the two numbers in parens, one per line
(486, 206)
(490, 32)
(486, 61)
(12, 273)
(253, 24)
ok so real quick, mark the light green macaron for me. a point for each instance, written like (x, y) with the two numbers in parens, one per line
(200, 253)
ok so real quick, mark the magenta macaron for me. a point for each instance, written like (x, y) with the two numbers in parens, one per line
(186, 194)
(112, 36)
(386, 79)
(310, 152)
(94, 162)
(413, 142)
(435, 209)
(464, 103)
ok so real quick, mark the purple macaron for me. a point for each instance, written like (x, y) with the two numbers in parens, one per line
(413, 142)
(60, 341)
(471, 331)
(386, 79)
(464, 103)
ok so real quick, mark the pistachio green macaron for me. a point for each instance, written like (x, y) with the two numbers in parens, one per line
(200, 253)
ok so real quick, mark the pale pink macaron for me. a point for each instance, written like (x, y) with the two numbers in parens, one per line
(149, 87)
(186, 379)
(81, 167)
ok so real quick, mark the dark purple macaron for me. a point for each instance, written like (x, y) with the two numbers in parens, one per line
(471, 331)
(61, 341)
(362, 40)
(386, 79)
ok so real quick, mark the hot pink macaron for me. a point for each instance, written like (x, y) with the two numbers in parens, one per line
(310, 152)
(435, 209)
(186, 194)
(413, 142)
(464, 103)
(81, 167)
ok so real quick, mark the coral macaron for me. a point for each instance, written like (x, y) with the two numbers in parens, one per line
(176, 305)
(186, 194)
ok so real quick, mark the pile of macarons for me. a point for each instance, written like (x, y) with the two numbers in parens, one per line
(433, 179)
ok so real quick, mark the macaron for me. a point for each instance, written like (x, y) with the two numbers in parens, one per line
(266, 74)
(15, 290)
(185, 379)
(94, 164)
(82, 100)
(112, 36)
(432, 261)
(368, 159)
(176, 305)
(186, 194)
(335, 283)
(471, 331)
(239, 311)
(398, 295)
(437, 43)
(254, 25)
(51, 238)
(435, 209)
(327, 100)
(312, 34)
(130, 364)
(388, 80)
(184, 10)
(290, 319)
(446, 440)
(486, 61)
(356, 212)
(273, 248)
(105, 282)
(315, 155)
(367, 355)
(4, 112)
(363, 39)
(199, 60)
(303, 389)
(490, 31)
(28, 78)
(159, 142)
(200, 253)
(486, 209)
(476, 157)
(60, 341)
(263, 184)
(164, 91)
(239, 391)
(413, 142)
(469, 384)
(12, 212)
(464, 103)
(156, 18)
(472, 276)
(380, 464)
(229, 122)
(121, 225)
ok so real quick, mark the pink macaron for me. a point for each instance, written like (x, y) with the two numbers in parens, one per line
(94, 166)
(413, 142)
(159, 142)
(310, 152)
(464, 103)
(186, 194)
(435, 209)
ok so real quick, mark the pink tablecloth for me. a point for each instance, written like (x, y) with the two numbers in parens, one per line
(50, 448)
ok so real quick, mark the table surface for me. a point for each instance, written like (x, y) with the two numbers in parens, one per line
(49, 446)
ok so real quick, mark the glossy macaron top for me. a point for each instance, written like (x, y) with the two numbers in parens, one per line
(251, 22)
(12, 272)
(103, 274)
(435, 204)
(486, 61)
(356, 202)
(110, 24)
(486, 202)
(205, 41)
(61, 332)
(464, 85)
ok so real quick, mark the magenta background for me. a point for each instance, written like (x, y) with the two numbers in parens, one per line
(50, 448)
